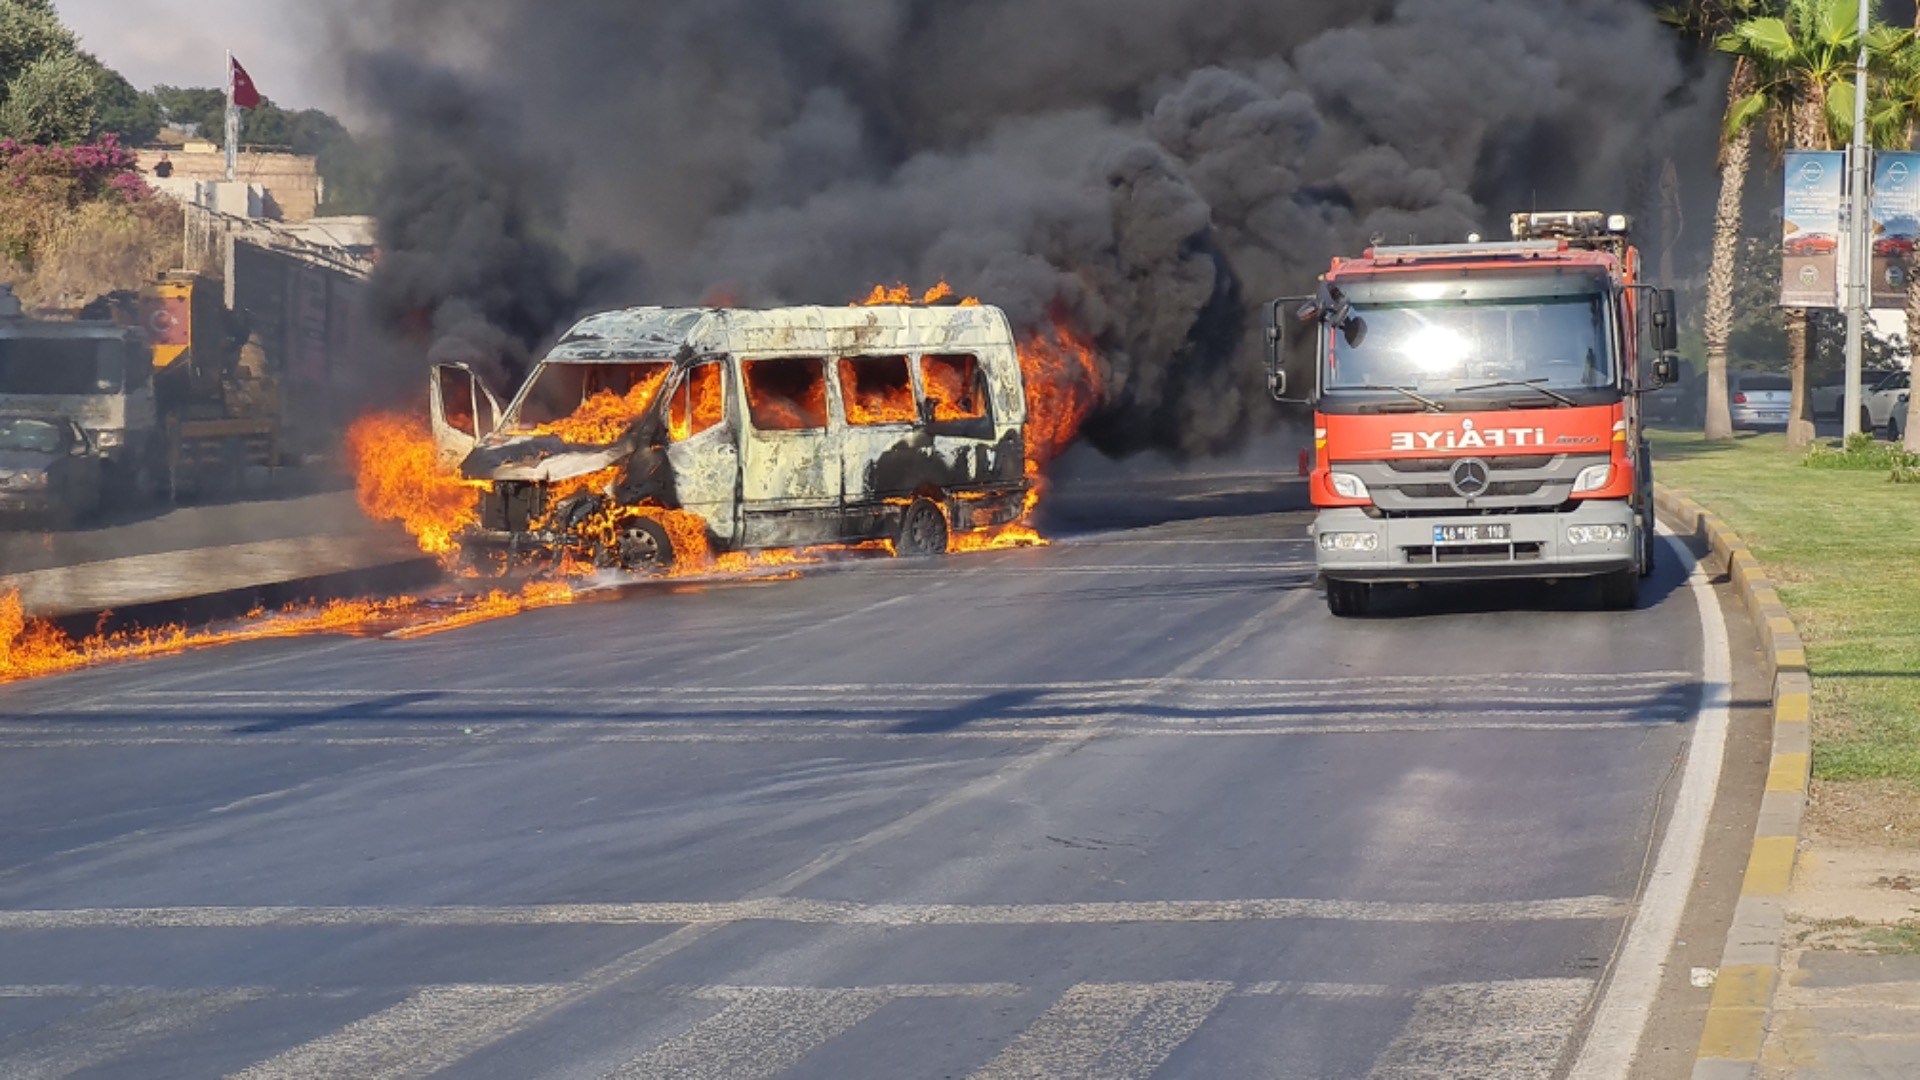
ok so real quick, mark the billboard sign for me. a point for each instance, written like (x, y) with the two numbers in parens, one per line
(1810, 244)
(1896, 225)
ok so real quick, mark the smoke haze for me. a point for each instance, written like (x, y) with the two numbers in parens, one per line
(1149, 171)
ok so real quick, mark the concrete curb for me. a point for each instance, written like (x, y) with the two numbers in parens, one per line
(1750, 963)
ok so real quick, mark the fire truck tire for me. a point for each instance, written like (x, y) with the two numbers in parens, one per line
(642, 544)
(1620, 590)
(1349, 599)
(1648, 545)
(923, 531)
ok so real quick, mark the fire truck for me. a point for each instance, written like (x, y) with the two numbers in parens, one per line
(1475, 411)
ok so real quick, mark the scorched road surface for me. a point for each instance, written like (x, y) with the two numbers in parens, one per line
(1130, 806)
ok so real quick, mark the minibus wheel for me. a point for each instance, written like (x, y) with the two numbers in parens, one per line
(642, 544)
(923, 531)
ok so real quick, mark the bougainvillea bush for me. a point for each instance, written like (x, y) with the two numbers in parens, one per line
(79, 221)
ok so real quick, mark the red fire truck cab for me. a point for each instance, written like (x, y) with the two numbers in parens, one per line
(1475, 415)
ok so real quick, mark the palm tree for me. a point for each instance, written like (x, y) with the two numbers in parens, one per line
(1804, 61)
(1711, 20)
(1893, 120)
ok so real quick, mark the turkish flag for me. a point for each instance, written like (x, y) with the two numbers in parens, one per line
(244, 94)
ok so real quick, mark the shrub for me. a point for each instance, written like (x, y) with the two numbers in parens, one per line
(43, 192)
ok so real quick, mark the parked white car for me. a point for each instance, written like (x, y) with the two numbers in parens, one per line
(1829, 399)
(1877, 410)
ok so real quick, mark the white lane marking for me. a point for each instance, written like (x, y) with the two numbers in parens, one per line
(894, 990)
(430, 1030)
(112, 1029)
(759, 1035)
(1486, 1031)
(1107, 1031)
(820, 913)
(1335, 991)
(1614, 1039)
(1439, 725)
(892, 690)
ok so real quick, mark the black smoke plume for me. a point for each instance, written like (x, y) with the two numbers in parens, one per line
(1149, 170)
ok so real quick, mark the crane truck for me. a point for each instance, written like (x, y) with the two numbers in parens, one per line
(1475, 409)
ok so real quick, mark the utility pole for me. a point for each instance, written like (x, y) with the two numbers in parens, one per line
(1860, 236)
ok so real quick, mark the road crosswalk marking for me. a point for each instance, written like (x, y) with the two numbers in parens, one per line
(116, 1027)
(1486, 1031)
(433, 1028)
(1107, 1031)
(757, 1036)
(1513, 1030)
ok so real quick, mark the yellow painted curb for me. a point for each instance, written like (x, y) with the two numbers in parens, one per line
(1788, 772)
(1737, 1016)
(1794, 707)
(1736, 1026)
(1770, 868)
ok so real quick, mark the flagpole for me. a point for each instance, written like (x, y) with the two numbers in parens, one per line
(233, 126)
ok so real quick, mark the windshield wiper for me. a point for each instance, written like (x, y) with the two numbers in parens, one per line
(1426, 403)
(1531, 384)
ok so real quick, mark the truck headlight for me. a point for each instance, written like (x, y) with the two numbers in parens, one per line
(109, 439)
(1598, 534)
(1349, 541)
(1593, 478)
(30, 479)
(1347, 486)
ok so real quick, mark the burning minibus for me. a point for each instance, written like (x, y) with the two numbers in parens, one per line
(648, 432)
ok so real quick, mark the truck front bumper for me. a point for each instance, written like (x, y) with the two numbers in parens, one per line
(1538, 545)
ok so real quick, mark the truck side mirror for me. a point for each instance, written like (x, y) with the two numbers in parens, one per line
(1666, 326)
(1666, 371)
(1274, 327)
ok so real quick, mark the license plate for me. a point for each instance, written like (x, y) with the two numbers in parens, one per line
(1471, 534)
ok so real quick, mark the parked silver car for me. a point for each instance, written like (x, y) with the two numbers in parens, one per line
(1758, 400)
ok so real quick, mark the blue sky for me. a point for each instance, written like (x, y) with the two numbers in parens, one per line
(183, 44)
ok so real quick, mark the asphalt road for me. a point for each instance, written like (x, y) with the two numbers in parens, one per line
(1131, 805)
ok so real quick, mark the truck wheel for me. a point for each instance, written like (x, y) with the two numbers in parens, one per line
(1349, 599)
(641, 544)
(1620, 590)
(923, 531)
(1866, 420)
(1894, 428)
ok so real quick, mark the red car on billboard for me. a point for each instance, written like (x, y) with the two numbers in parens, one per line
(1895, 246)
(1812, 244)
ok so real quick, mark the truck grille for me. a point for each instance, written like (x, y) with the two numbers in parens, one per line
(1517, 482)
(1475, 553)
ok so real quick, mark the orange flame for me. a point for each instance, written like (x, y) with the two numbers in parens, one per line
(398, 476)
(902, 293)
(605, 416)
(35, 648)
(1062, 375)
(882, 395)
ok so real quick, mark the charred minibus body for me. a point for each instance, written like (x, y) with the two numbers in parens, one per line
(776, 428)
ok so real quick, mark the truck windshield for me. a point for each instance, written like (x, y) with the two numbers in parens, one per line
(1551, 342)
(64, 366)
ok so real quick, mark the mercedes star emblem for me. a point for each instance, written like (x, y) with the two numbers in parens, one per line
(1470, 479)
